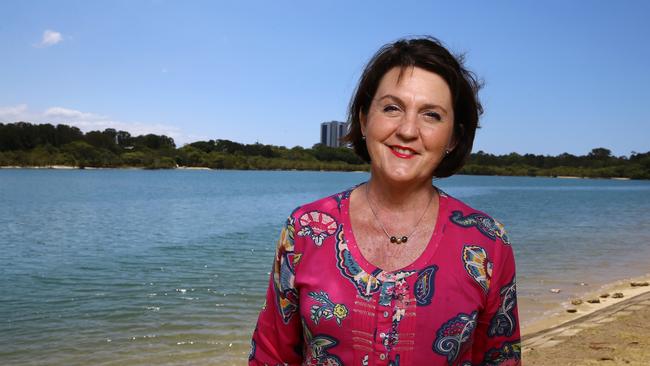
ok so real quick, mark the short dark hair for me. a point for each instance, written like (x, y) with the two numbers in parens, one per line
(429, 54)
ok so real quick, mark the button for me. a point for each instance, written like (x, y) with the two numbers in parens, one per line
(382, 356)
(385, 314)
(382, 335)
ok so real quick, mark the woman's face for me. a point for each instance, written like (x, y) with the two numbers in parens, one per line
(409, 125)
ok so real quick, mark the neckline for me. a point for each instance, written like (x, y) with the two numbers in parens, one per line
(370, 268)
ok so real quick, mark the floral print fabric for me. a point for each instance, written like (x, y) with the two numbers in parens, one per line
(326, 305)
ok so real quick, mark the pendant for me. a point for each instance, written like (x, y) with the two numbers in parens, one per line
(396, 240)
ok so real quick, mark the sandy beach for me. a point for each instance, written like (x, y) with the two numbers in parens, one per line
(614, 331)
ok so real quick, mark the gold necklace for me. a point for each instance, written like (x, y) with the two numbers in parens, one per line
(396, 239)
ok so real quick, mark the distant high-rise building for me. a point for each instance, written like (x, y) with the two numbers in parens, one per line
(332, 132)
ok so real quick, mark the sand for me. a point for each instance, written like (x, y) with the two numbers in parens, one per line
(612, 332)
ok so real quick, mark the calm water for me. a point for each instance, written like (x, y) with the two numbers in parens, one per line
(133, 267)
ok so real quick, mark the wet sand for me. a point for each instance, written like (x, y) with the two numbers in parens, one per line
(615, 331)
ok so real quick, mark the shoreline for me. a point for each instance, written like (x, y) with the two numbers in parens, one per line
(561, 316)
(617, 334)
(72, 167)
(66, 167)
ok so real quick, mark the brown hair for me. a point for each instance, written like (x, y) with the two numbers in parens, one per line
(429, 54)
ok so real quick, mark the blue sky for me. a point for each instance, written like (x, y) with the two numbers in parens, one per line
(560, 76)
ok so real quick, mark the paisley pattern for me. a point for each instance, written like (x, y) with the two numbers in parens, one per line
(509, 354)
(327, 309)
(328, 306)
(390, 339)
(478, 266)
(454, 336)
(364, 360)
(504, 323)
(425, 286)
(339, 197)
(284, 273)
(394, 362)
(393, 286)
(316, 349)
(317, 225)
(365, 283)
(485, 224)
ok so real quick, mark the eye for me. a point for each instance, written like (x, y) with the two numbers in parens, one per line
(391, 109)
(433, 115)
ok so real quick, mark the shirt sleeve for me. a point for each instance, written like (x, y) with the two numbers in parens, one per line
(277, 338)
(497, 335)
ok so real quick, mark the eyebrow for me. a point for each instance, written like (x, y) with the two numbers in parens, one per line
(426, 106)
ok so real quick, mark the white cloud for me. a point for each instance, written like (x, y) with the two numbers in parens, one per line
(87, 121)
(60, 112)
(11, 112)
(50, 38)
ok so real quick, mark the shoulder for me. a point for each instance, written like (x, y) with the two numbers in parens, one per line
(472, 220)
(320, 219)
(330, 206)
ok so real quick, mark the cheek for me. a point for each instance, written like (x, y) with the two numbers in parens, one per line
(438, 139)
(381, 126)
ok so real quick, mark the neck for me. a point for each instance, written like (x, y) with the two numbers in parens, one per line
(399, 197)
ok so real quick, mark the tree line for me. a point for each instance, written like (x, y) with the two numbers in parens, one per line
(598, 163)
(29, 145)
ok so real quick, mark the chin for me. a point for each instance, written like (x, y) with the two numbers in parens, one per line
(400, 176)
(402, 171)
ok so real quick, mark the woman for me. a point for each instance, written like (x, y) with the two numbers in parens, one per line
(395, 271)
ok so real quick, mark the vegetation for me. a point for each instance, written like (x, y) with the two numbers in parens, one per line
(599, 163)
(28, 145)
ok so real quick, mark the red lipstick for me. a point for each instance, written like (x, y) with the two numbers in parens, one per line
(401, 155)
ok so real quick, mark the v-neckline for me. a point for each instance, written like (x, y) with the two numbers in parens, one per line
(418, 263)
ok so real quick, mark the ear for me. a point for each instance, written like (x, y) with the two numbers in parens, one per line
(455, 139)
(453, 143)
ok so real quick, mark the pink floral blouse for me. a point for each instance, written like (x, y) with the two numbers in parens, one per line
(326, 305)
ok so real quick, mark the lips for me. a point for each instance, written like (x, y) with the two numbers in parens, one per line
(402, 152)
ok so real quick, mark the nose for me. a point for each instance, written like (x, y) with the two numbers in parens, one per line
(408, 128)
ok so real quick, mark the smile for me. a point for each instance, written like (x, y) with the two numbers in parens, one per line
(402, 152)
